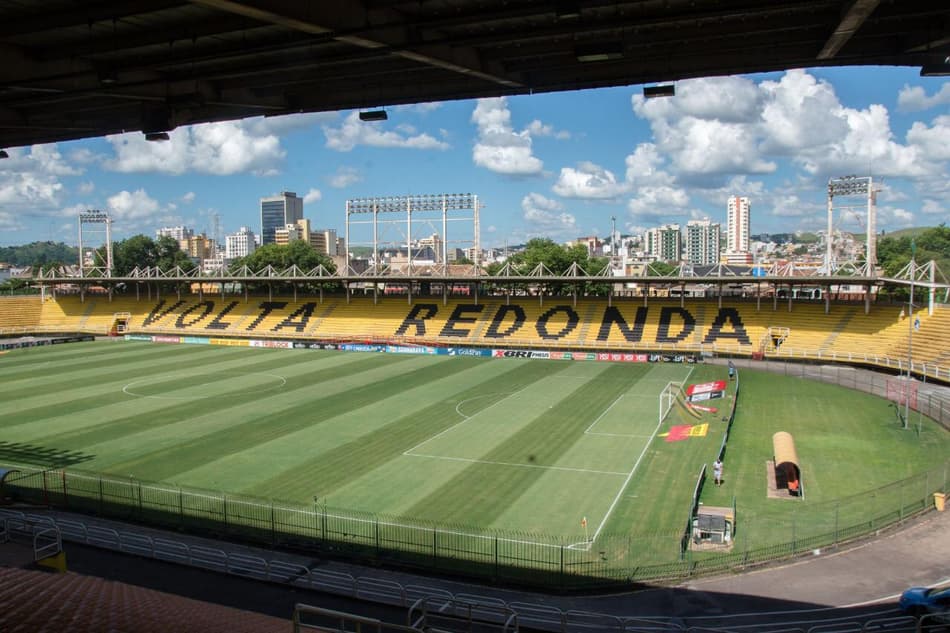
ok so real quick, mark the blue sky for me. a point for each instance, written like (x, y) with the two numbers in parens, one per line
(557, 165)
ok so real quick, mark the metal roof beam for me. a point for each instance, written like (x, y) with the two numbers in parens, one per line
(852, 19)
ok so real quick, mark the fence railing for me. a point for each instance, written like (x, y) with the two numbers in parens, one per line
(527, 559)
(288, 570)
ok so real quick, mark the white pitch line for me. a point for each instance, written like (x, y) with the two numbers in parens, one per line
(467, 418)
(630, 475)
(602, 414)
(485, 461)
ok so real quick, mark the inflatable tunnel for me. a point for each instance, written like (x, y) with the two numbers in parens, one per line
(788, 474)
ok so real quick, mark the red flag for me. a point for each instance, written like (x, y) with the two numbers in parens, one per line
(584, 522)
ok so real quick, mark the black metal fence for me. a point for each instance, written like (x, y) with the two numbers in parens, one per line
(537, 560)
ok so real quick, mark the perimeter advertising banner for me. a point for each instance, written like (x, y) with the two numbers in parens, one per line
(272, 344)
(706, 391)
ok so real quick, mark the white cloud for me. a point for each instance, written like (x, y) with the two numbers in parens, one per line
(499, 148)
(313, 195)
(219, 149)
(536, 128)
(132, 206)
(344, 177)
(30, 179)
(588, 181)
(933, 142)
(188, 198)
(9, 222)
(85, 188)
(915, 99)
(934, 207)
(659, 201)
(353, 132)
(285, 124)
(548, 216)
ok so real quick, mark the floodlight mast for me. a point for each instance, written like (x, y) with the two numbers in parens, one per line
(94, 217)
(853, 186)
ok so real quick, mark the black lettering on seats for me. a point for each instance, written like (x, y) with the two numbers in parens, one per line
(458, 317)
(217, 323)
(266, 308)
(542, 325)
(304, 313)
(738, 329)
(414, 318)
(612, 316)
(208, 309)
(157, 314)
(493, 331)
(666, 315)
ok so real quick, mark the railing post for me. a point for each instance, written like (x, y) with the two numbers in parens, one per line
(837, 506)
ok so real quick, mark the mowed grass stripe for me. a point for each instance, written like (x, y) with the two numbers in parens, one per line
(151, 414)
(483, 492)
(304, 411)
(210, 419)
(97, 357)
(68, 384)
(329, 470)
(99, 391)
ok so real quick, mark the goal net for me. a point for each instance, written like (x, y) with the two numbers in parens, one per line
(668, 398)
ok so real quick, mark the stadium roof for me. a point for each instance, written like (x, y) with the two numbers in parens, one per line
(83, 68)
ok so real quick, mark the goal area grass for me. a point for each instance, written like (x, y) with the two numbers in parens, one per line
(566, 449)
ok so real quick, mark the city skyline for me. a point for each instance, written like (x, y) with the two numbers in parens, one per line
(556, 165)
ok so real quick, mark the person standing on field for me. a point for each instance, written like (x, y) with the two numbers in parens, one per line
(717, 472)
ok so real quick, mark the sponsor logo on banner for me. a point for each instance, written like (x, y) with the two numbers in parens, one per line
(706, 387)
(361, 347)
(166, 339)
(685, 431)
(520, 353)
(409, 349)
(138, 337)
(468, 351)
(705, 408)
(195, 340)
(272, 344)
(230, 342)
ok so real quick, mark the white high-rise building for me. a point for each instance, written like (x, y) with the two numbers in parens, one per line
(702, 242)
(240, 244)
(177, 233)
(737, 225)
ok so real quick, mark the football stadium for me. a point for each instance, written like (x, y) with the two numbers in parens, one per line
(555, 442)
(620, 438)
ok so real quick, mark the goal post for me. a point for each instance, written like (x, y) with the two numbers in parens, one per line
(667, 398)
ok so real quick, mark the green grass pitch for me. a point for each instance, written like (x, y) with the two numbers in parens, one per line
(522, 446)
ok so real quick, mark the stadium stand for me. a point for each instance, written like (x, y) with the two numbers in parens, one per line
(76, 602)
(19, 314)
(845, 333)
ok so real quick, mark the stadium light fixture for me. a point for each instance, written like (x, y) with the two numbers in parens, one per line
(652, 92)
(598, 52)
(373, 115)
(157, 136)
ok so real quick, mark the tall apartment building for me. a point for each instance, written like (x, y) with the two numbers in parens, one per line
(737, 225)
(177, 233)
(240, 244)
(277, 212)
(702, 242)
(198, 247)
(665, 243)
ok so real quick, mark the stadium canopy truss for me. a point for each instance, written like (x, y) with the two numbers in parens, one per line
(83, 68)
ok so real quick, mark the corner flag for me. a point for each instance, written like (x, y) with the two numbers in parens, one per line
(584, 522)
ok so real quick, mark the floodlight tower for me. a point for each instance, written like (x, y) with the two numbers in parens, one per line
(853, 186)
(95, 218)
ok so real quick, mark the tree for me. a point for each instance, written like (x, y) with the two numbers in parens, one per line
(142, 251)
(558, 260)
(282, 256)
